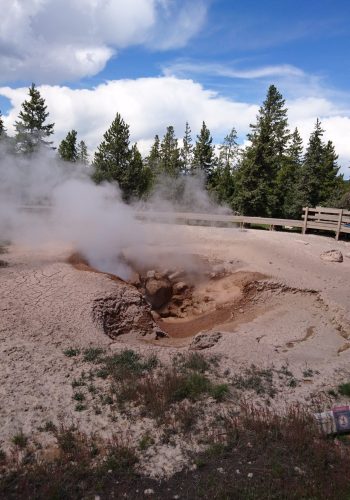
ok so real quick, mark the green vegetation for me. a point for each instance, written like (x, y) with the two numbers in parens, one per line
(71, 352)
(20, 440)
(344, 389)
(257, 455)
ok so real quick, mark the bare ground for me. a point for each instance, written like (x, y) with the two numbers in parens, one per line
(278, 306)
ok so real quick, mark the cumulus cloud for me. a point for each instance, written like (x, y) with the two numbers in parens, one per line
(64, 40)
(149, 105)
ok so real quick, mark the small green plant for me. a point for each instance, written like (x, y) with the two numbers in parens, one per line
(196, 362)
(93, 354)
(78, 383)
(191, 386)
(79, 396)
(219, 391)
(146, 441)
(120, 458)
(344, 389)
(71, 352)
(80, 407)
(332, 393)
(20, 440)
(308, 373)
(49, 426)
(292, 382)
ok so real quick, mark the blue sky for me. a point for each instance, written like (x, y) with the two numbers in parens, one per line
(163, 62)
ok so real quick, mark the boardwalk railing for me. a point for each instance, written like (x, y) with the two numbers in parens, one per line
(326, 219)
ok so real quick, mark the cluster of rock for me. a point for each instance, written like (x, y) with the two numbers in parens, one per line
(125, 312)
(170, 292)
(166, 291)
(332, 256)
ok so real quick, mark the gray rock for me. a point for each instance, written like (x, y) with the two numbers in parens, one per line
(332, 256)
(123, 312)
(158, 292)
(205, 340)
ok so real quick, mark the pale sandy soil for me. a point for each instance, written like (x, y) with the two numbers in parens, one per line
(46, 307)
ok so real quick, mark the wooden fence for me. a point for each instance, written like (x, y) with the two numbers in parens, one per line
(326, 219)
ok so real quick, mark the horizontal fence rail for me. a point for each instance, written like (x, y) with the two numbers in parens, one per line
(336, 220)
(325, 219)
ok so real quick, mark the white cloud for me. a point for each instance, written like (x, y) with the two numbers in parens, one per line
(149, 105)
(181, 68)
(60, 40)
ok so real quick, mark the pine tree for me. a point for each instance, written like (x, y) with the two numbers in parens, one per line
(170, 162)
(68, 149)
(187, 151)
(112, 157)
(263, 158)
(31, 130)
(203, 153)
(137, 178)
(153, 159)
(332, 185)
(222, 181)
(83, 155)
(288, 179)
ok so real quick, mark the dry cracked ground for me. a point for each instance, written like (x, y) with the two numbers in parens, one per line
(269, 319)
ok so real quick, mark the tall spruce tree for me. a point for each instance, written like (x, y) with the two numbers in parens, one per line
(112, 157)
(153, 159)
(288, 179)
(203, 153)
(170, 162)
(187, 151)
(83, 155)
(135, 181)
(222, 181)
(31, 130)
(68, 149)
(263, 158)
(320, 183)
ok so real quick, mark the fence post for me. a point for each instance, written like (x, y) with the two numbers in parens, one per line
(339, 224)
(305, 219)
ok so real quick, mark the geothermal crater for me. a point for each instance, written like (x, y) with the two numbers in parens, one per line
(189, 304)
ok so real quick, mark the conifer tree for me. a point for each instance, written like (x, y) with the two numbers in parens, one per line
(288, 179)
(31, 130)
(153, 159)
(263, 158)
(222, 181)
(203, 153)
(187, 151)
(112, 157)
(170, 161)
(137, 177)
(68, 149)
(319, 181)
(83, 155)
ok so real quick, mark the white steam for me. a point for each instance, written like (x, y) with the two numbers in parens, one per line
(44, 200)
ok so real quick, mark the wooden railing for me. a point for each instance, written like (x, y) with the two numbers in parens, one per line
(327, 219)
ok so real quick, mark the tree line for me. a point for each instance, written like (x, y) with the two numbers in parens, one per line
(271, 176)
